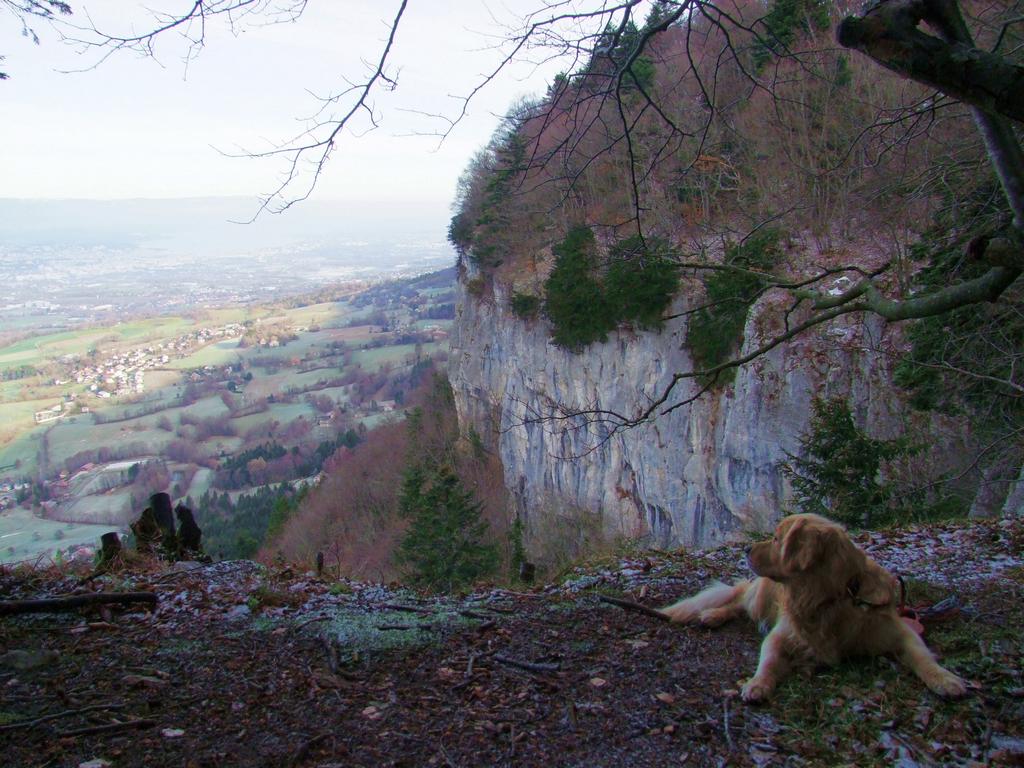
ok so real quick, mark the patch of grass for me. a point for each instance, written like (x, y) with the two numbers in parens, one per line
(174, 646)
(220, 353)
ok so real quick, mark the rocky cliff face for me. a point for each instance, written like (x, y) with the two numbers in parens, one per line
(693, 477)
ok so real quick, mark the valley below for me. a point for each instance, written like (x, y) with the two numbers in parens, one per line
(222, 403)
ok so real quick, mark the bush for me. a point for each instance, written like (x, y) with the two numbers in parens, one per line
(637, 287)
(965, 361)
(782, 24)
(716, 330)
(641, 280)
(574, 299)
(524, 305)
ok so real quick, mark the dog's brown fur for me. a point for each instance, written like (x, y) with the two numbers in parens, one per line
(825, 600)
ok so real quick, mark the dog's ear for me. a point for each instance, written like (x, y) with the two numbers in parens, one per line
(877, 586)
(801, 546)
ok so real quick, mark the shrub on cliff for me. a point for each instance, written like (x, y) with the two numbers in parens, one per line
(642, 278)
(524, 305)
(575, 300)
(584, 305)
(716, 329)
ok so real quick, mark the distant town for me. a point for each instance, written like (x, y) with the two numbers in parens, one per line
(123, 374)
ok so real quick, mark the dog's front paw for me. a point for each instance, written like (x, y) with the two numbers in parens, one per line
(946, 684)
(756, 690)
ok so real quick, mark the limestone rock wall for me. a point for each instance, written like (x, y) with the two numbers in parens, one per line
(693, 477)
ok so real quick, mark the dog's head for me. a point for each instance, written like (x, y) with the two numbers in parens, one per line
(809, 547)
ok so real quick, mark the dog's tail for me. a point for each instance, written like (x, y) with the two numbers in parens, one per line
(718, 595)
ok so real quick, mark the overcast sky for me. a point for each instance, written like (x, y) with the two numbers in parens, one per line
(136, 127)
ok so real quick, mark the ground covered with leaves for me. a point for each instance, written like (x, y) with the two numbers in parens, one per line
(241, 665)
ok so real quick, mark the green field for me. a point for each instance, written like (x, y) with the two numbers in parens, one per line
(317, 314)
(337, 394)
(15, 417)
(103, 508)
(10, 390)
(281, 412)
(22, 448)
(155, 329)
(202, 481)
(40, 349)
(280, 383)
(221, 353)
(26, 537)
(37, 349)
(371, 359)
(81, 434)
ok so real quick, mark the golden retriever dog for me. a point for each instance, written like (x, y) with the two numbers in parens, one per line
(825, 601)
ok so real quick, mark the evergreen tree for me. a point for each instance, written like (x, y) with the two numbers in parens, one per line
(444, 547)
(838, 474)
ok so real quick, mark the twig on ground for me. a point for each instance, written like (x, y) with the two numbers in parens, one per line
(310, 621)
(58, 715)
(499, 609)
(629, 605)
(303, 751)
(108, 728)
(95, 574)
(529, 666)
(474, 615)
(725, 722)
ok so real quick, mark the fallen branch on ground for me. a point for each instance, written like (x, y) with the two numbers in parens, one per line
(529, 666)
(58, 715)
(51, 604)
(406, 608)
(629, 605)
(127, 724)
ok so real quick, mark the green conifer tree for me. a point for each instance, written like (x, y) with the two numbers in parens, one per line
(838, 474)
(444, 547)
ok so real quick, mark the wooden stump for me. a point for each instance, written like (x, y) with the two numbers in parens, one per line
(147, 532)
(110, 546)
(160, 503)
(319, 564)
(527, 572)
(190, 535)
